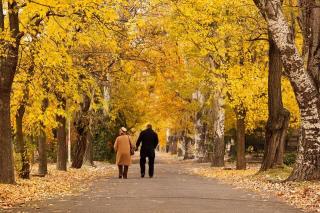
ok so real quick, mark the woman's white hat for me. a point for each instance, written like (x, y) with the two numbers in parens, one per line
(123, 129)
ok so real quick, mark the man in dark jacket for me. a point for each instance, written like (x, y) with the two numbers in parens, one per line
(149, 141)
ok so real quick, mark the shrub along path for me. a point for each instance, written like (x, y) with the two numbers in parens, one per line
(171, 190)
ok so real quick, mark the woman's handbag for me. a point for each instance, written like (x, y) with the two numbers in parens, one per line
(131, 147)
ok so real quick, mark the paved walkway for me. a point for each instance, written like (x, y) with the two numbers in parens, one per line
(169, 191)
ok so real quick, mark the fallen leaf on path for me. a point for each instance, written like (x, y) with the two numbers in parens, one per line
(55, 184)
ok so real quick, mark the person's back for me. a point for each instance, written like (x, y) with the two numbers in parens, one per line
(149, 141)
(123, 144)
(122, 147)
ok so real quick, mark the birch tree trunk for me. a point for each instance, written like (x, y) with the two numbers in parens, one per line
(308, 162)
(197, 136)
(200, 128)
(187, 144)
(218, 130)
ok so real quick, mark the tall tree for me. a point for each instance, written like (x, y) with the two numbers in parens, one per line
(62, 153)
(81, 124)
(21, 143)
(304, 85)
(278, 120)
(218, 130)
(310, 25)
(199, 127)
(42, 143)
(8, 65)
(88, 156)
(241, 138)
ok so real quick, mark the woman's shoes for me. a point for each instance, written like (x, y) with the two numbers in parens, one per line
(120, 177)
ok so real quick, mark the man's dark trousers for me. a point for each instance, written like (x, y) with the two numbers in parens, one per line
(151, 156)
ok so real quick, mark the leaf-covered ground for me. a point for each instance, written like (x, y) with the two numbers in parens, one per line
(55, 184)
(304, 195)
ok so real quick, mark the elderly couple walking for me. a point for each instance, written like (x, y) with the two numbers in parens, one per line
(125, 148)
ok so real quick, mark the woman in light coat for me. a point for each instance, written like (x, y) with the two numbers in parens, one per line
(122, 148)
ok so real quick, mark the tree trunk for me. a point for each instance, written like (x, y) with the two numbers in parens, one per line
(202, 146)
(8, 65)
(174, 145)
(198, 139)
(82, 127)
(42, 143)
(308, 162)
(88, 156)
(310, 24)
(278, 120)
(186, 144)
(218, 131)
(42, 150)
(80, 148)
(6, 151)
(62, 153)
(24, 172)
(240, 134)
(199, 128)
(281, 148)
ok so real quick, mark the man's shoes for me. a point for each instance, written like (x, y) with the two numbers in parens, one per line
(120, 177)
(151, 176)
(142, 175)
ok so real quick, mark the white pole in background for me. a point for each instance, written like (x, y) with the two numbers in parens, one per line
(69, 142)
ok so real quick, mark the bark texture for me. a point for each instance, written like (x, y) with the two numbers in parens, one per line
(81, 125)
(24, 172)
(187, 145)
(218, 131)
(278, 120)
(62, 152)
(80, 148)
(308, 162)
(42, 143)
(173, 147)
(6, 152)
(310, 25)
(201, 131)
(88, 156)
(202, 143)
(8, 65)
